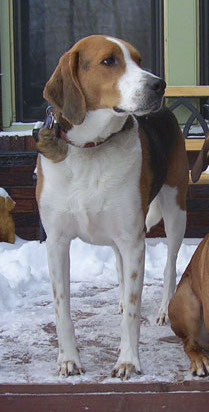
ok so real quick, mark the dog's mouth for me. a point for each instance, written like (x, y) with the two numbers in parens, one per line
(118, 109)
(154, 106)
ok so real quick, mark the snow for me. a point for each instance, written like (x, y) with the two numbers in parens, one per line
(17, 133)
(3, 193)
(28, 342)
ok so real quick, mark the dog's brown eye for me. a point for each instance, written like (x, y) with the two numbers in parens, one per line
(110, 61)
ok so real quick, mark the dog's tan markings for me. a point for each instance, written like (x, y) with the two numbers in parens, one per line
(50, 146)
(178, 172)
(146, 175)
(134, 275)
(133, 298)
(85, 64)
(63, 89)
(54, 290)
(201, 162)
(99, 82)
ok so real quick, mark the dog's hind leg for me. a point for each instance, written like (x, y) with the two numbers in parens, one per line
(154, 214)
(175, 223)
(185, 314)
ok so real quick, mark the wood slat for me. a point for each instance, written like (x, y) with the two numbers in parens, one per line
(203, 180)
(187, 91)
(106, 397)
(193, 145)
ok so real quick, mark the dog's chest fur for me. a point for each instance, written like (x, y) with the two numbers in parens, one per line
(96, 190)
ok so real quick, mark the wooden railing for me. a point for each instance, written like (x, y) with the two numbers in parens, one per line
(181, 93)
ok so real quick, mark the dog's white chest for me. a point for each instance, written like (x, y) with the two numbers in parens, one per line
(95, 189)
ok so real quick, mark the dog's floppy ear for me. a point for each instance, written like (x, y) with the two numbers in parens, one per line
(63, 90)
(201, 162)
(9, 203)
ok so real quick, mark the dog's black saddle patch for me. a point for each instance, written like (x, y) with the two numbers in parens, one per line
(161, 131)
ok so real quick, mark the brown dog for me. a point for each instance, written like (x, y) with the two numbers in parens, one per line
(7, 226)
(189, 308)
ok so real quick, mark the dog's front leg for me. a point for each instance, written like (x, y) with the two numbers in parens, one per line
(58, 259)
(133, 273)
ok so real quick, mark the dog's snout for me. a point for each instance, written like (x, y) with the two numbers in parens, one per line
(157, 85)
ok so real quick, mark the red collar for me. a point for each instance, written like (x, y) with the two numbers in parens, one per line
(63, 135)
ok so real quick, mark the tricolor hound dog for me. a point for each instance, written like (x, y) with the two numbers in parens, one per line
(189, 307)
(100, 185)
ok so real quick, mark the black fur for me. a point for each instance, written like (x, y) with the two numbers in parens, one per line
(161, 131)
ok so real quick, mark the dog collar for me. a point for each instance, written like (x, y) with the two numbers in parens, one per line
(51, 123)
(127, 126)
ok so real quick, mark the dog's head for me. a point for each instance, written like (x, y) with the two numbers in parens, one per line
(6, 202)
(202, 161)
(102, 72)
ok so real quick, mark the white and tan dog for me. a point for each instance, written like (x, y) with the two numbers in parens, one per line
(113, 170)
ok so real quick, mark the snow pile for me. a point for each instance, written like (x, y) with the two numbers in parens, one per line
(28, 343)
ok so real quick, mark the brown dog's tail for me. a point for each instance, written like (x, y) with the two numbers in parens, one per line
(202, 161)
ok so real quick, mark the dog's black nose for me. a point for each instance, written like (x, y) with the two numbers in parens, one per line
(157, 85)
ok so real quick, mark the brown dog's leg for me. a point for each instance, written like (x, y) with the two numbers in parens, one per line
(185, 314)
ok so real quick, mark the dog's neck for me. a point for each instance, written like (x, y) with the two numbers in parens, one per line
(97, 126)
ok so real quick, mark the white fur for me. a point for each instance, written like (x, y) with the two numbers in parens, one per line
(97, 126)
(133, 86)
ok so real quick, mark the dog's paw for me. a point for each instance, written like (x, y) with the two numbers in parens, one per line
(162, 318)
(70, 368)
(123, 370)
(69, 365)
(200, 365)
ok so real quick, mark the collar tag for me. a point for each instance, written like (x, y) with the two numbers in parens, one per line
(50, 118)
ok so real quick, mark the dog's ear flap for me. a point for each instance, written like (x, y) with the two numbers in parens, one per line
(202, 161)
(63, 90)
(9, 203)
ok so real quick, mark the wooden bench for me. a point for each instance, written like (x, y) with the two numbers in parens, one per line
(193, 145)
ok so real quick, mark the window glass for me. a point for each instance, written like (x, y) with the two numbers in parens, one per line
(45, 29)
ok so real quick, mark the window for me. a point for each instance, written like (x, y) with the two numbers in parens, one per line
(45, 29)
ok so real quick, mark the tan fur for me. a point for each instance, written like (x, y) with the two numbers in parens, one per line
(7, 225)
(178, 171)
(201, 162)
(50, 146)
(134, 275)
(189, 307)
(133, 298)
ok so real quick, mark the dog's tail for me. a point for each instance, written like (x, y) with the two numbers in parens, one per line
(154, 214)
